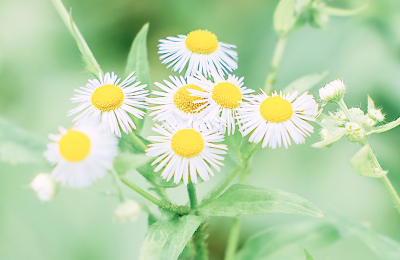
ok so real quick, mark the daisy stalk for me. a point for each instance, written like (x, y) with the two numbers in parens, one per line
(385, 180)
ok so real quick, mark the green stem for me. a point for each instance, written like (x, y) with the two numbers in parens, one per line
(392, 192)
(192, 196)
(233, 239)
(162, 204)
(118, 184)
(276, 60)
(235, 172)
(134, 136)
(345, 109)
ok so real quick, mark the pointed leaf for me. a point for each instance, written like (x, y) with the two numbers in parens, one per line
(285, 16)
(91, 64)
(166, 239)
(242, 199)
(336, 137)
(286, 242)
(364, 165)
(305, 83)
(386, 127)
(371, 104)
(308, 255)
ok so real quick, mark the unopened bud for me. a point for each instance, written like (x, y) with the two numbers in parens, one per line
(325, 134)
(44, 186)
(355, 132)
(376, 114)
(333, 91)
(370, 122)
(127, 211)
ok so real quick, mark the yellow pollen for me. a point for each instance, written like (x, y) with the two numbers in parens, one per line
(276, 109)
(187, 143)
(202, 42)
(107, 97)
(227, 95)
(74, 146)
(184, 101)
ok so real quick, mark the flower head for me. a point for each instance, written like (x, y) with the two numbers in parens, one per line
(355, 132)
(186, 150)
(333, 91)
(199, 50)
(376, 114)
(127, 211)
(108, 101)
(277, 118)
(44, 186)
(81, 154)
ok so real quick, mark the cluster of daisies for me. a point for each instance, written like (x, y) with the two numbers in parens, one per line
(192, 114)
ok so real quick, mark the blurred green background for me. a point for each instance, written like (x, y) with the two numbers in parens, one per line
(40, 66)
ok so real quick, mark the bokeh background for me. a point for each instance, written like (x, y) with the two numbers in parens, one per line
(40, 66)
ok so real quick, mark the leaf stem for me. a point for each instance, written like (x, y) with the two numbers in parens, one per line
(233, 239)
(134, 136)
(276, 60)
(118, 184)
(191, 189)
(162, 204)
(392, 192)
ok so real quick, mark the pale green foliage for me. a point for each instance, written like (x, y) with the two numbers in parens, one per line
(285, 16)
(286, 242)
(242, 199)
(138, 62)
(18, 146)
(364, 165)
(328, 141)
(147, 171)
(308, 255)
(305, 83)
(385, 127)
(125, 162)
(166, 239)
(132, 143)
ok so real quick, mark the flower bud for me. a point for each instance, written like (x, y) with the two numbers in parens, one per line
(333, 91)
(325, 134)
(370, 122)
(44, 186)
(355, 132)
(376, 114)
(127, 211)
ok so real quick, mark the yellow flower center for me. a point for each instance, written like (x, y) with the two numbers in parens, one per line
(276, 109)
(74, 146)
(187, 143)
(202, 42)
(107, 97)
(185, 102)
(227, 95)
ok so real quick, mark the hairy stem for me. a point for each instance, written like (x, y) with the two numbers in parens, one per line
(276, 60)
(392, 192)
(162, 204)
(192, 197)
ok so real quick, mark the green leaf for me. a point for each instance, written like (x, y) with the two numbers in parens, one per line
(127, 161)
(138, 62)
(341, 12)
(286, 242)
(386, 127)
(91, 64)
(384, 247)
(305, 83)
(132, 143)
(336, 137)
(364, 165)
(308, 255)
(242, 199)
(237, 146)
(285, 16)
(166, 239)
(147, 171)
(319, 20)
(371, 104)
(17, 146)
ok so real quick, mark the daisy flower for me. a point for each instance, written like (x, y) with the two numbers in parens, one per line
(108, 101)
(175, 101)
(185, 151)
(277, 118)
(220, 98)
(198, 51)
(82, 155)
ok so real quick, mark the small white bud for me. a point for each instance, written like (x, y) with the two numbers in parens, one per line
(127, 211)
(370, 122)
(341, 115)
(355, 132)
(356, 112)
(325, 134)
(376, 114)
(44, 186)
(333, 91)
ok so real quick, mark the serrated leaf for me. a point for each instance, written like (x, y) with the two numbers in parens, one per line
(18, 146)
(364, 165)
(285, 16)
(132, 143)
(125, 162)
(308, 255)
(336, 137)
(138, 62)
(385, 127)
(166, 239)
(286, 242)
(242, 199)
(305, 83)
(341, 12)
(384, 247)
(91, 64)
(147, 171)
